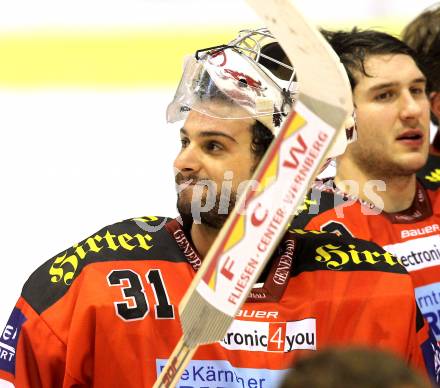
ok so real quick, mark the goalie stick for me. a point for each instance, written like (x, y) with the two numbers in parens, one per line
(260, 218)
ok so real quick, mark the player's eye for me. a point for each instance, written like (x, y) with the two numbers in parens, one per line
(213, 146)
(384, 96)
(417, 90)
(184, 141)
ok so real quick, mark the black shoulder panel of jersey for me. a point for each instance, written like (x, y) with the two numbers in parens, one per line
(144, 238)
(318, 250)
(320, 198)
(429, 175)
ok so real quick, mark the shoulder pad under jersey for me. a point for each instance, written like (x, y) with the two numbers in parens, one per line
(142, 238)
(317, 250)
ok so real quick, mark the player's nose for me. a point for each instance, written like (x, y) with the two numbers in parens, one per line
(187, 159)
(411, 106)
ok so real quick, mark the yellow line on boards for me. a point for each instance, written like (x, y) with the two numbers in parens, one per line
(110, 58)
(97, 59)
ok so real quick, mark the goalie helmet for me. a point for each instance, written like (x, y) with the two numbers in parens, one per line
(251, 72)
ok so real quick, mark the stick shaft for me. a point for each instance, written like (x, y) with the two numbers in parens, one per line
(175, 366)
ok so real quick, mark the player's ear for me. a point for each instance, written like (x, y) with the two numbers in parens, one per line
(434, 98)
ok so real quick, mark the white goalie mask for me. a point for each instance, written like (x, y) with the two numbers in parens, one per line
(251, 72)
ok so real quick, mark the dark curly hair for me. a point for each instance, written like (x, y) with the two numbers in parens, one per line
(355, 46)
(261, 139)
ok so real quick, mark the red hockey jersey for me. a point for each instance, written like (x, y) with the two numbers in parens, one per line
(104, 313)
(412, 235)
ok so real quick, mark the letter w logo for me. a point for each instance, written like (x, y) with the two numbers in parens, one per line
(300, 149)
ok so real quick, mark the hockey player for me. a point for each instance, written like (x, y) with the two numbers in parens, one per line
(375, 194)
(104, 313)
(423, 35)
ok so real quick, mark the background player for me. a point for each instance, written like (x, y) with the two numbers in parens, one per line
(375, 194)
(423, 35)
(353, 367)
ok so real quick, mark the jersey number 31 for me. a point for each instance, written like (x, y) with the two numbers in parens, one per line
(135, 305)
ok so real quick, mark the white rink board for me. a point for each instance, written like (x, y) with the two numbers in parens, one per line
(72, 162)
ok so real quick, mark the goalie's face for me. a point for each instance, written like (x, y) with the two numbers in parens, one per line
(214, 163)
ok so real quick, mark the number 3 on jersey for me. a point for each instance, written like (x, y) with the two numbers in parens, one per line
(135, 305)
